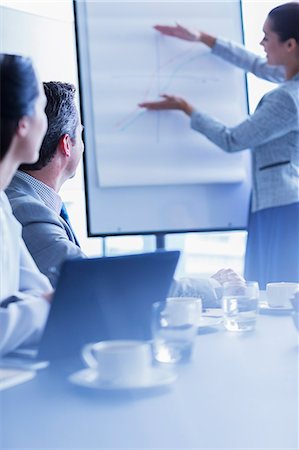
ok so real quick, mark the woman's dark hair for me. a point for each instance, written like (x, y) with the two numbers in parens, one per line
(285, 21)
(19, 91)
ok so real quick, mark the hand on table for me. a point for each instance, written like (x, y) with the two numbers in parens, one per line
(225, 275)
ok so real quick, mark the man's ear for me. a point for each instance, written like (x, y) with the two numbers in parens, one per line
(291, 44)
(23, 127)
(65, 145)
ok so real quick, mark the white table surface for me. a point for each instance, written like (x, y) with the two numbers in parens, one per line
(240, 392)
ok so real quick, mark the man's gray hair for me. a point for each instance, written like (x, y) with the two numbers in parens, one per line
(62, 117)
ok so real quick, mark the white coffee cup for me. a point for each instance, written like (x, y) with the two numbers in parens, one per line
(119, 361)
(182, 314)
(279, 294)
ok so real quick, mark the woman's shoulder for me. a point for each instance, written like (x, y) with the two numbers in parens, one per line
(286, 95)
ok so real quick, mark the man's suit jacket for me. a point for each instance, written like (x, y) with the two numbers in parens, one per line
(48, 237)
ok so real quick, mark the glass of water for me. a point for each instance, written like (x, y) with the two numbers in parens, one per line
(174, 329)
(240, 305)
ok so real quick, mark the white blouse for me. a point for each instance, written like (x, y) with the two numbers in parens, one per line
(23, 311)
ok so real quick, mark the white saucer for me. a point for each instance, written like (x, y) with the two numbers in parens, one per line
(211, 317)
(90, 378)
(264, 305)
(207, 321)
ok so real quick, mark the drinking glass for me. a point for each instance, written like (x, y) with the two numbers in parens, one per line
(240, 304)
(174, 329)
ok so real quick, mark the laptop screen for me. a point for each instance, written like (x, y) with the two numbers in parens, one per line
(105, 298)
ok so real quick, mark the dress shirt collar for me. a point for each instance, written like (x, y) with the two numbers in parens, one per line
(50, 198)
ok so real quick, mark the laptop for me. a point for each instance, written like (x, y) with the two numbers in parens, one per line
(105, 298)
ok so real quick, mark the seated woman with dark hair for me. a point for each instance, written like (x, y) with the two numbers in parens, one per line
(24, 291)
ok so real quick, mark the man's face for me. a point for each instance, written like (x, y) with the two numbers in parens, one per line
(77, 151)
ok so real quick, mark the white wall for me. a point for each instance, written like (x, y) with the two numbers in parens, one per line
(44, 30)
(255, 13)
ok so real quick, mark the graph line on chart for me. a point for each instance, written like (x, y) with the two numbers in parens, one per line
(188, 56)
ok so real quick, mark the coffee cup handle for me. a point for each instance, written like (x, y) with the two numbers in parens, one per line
(87, 354)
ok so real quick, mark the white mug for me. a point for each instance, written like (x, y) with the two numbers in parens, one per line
(180, 313)
(119, 361)
(279, 294)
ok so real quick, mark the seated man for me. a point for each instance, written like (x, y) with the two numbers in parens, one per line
(33, 194)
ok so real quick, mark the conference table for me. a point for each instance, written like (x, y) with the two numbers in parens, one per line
(239, 392)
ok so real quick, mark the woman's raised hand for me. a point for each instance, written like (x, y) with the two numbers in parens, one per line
(179, 32)
(168, 102)
(187, 34)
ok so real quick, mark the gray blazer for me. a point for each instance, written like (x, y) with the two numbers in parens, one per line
(47, 236)
(272, 132)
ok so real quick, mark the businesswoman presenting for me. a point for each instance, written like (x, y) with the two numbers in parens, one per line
(272, 133)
